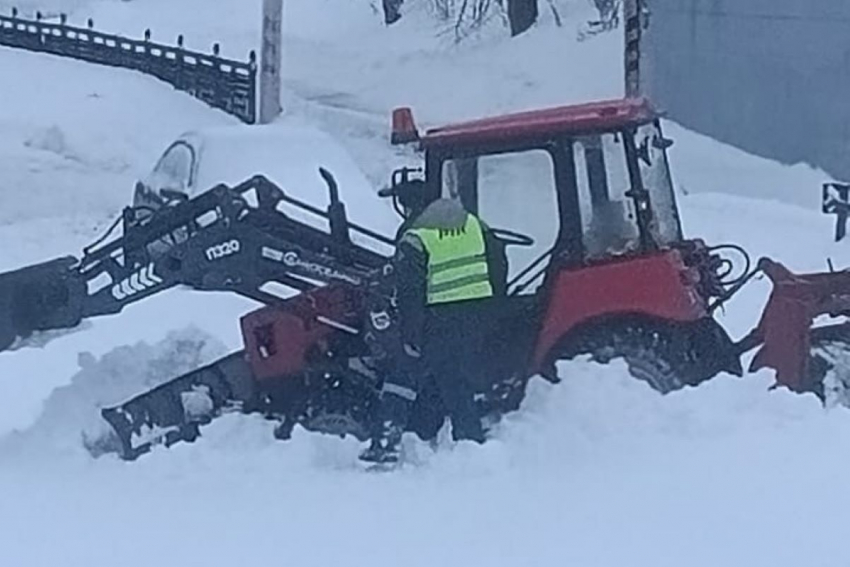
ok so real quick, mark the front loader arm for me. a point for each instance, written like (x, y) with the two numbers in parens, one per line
(217, 241)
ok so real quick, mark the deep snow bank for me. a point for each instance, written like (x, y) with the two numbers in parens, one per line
(76, 136)
(588, 473)
(702, 165)
(71, 414)
(32, 372)
(345, 70)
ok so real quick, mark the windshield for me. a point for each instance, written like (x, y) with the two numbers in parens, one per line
(655, 175)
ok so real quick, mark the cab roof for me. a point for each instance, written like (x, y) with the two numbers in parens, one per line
(577, 119)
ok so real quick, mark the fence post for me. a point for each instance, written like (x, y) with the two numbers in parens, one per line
(180, 62)
(252, 87)
(270, 62)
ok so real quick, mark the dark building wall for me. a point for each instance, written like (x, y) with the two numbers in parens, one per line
(769, 76)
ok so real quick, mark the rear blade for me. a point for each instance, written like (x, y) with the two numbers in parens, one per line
(42, 297)
(174, 411)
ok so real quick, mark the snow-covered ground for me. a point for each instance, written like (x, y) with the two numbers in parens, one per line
(597, 471)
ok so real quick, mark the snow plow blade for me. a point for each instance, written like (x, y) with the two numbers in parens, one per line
(175, 410)
(41, 297)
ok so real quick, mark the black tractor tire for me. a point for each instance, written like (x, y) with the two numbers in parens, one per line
(337, 403)
(662, 356)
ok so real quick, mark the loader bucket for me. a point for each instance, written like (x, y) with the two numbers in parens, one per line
(784, 331)
(174, 411)
(41, 297)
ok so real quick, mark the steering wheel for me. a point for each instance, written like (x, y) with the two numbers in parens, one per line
(511, 238)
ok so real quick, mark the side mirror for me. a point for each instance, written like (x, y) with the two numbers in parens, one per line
(401, 179)
(404, 187)
(835, 200)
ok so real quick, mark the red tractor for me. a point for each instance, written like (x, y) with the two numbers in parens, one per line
(607, 273)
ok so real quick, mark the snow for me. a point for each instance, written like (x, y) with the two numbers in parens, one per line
(291, 153)
(598, 470)
(588, 473)
(75, 151)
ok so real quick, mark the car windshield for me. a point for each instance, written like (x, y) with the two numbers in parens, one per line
(174, 169)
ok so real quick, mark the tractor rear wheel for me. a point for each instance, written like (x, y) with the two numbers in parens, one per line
(337, 402)
(666, 357)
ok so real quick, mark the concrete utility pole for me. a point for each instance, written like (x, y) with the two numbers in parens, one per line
(632, 19)
(270, 61)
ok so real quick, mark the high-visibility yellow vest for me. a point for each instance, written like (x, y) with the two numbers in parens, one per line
(457, 262)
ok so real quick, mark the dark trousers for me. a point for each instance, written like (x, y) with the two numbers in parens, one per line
(454, 350)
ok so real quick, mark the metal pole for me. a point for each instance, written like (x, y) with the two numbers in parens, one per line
(631, 16)
(270, 61)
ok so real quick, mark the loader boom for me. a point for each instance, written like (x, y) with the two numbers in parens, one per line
(226, 239)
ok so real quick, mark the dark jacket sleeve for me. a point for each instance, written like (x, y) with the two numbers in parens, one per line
(497, 262)
(411, 267)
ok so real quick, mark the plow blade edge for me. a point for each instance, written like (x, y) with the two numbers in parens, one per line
(174, 411)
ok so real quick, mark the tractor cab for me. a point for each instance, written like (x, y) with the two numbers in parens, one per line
(601, 265)
(575, 185)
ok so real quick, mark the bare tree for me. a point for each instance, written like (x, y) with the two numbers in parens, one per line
(608, 9)
(444, 8)
(468, 16)
(522, 14)
(392, 11)
(471, 15)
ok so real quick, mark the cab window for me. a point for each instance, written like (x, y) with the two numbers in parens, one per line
(655, 173)
(513, 191)
(608, 214)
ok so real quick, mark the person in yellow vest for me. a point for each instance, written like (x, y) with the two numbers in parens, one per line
(450, 271)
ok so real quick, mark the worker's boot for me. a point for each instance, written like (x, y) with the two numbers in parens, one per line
(384, 448)
(386, 443)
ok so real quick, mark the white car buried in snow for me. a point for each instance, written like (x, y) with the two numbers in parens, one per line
(288, 154)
